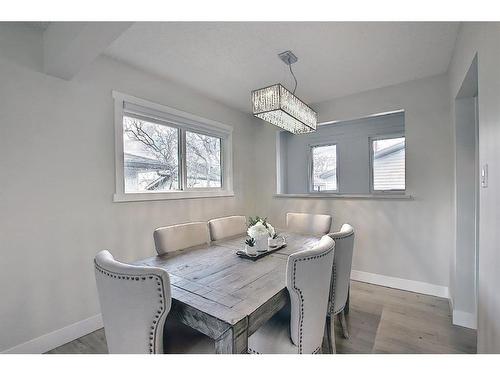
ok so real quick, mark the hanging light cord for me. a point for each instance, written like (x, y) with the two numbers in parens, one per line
(293, 75)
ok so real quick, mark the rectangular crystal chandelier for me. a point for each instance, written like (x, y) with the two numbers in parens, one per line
(280, 107)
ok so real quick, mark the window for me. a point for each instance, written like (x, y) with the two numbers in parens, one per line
(388, 164)
(163, 153)
(355, 158)
(203, 161)
(324, 168)
(150, 156)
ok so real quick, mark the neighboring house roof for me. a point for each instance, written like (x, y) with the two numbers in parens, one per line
(389, 150)
(158, 183)
(141, 162)
(144, 163)
(202, 176)
(328, 174)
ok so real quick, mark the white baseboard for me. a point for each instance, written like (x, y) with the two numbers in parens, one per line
(464, 319)
(59, 337)
(403, 284)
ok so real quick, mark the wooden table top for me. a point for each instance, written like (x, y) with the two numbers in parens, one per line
(218, 283)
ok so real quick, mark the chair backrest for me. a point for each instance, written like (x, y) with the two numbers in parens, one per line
(135, 302)
(308, 223)
(225, 227)
(308, 278)
(344, 243)
(180, 236)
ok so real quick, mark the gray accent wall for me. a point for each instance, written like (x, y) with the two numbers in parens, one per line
(467, 181)
(353, 150)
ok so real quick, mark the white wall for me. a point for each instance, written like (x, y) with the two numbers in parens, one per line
(463, 292)
(57, 183)
(408, 239)
(482, 38)
(21, 44)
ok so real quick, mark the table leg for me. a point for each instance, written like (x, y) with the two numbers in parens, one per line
(234, 340)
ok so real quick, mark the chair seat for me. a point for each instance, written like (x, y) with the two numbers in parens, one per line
(274, 336)
(178, 338)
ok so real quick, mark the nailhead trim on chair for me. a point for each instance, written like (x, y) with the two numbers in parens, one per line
(318, 349)
(251, 351)
(161, 308)
(336, 236)
(302, 297)
(332, 289)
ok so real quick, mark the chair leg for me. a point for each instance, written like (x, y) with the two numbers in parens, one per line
(330, 327)
(327, 332)
(326, 339)
(343, 324)
(346, 307)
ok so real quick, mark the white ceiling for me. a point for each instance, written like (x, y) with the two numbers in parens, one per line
(225, 61)
(37, 25)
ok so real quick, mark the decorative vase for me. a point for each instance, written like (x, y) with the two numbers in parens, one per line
(261, 244)
(251, 250)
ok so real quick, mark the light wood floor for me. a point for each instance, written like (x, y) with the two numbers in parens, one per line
(381, 320)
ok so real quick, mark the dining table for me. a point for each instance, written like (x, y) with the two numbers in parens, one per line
(224, 296)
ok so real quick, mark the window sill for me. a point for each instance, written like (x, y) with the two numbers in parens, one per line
(138, 197)
(346, 196)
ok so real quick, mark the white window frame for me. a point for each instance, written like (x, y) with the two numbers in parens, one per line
(370, 145)
(311, 167)
(158, 113)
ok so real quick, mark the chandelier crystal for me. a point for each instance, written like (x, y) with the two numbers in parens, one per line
(280, 107)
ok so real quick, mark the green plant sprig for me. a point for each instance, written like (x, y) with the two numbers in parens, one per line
(250, 241)
(254, 220)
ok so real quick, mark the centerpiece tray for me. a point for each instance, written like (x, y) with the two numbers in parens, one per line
(262, 254)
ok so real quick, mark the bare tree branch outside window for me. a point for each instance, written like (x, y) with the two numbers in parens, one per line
(203, 160)
(324, 168)
(151, 157)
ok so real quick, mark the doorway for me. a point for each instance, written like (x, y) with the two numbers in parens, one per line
(464, 280)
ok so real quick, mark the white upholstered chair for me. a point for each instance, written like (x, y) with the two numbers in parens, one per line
(225, 227)
(341, 279)
(135, 303)
(308, 223)
(180, 236)
(299, 327)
